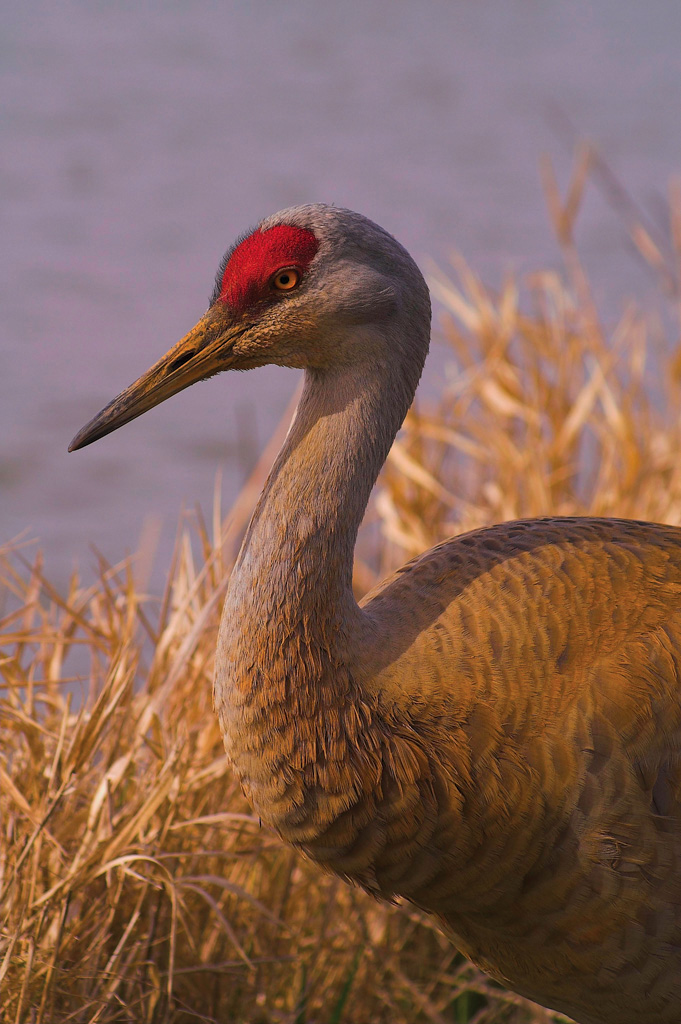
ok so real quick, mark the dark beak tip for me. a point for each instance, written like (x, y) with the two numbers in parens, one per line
(75, 443)
(83, 438)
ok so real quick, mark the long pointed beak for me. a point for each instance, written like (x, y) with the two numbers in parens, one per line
(200, 354)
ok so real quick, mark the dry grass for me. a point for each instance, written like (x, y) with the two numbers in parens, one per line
(135, 883)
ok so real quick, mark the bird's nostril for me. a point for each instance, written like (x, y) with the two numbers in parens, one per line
(180, 361)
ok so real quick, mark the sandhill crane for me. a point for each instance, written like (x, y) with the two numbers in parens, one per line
(494, 733)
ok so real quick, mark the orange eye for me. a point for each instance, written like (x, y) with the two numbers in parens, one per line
(286, 280)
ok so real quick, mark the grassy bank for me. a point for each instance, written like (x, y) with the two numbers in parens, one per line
(135, 883)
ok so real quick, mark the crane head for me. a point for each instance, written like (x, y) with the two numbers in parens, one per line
(307, 288)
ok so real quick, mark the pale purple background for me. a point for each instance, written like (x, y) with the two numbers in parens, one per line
(138, 139)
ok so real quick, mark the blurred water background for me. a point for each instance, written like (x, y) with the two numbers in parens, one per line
(139, 139)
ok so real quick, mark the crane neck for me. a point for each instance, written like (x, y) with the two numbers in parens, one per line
(297, 555)
(291, 631)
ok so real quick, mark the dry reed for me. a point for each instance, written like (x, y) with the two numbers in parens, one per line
(136, 885)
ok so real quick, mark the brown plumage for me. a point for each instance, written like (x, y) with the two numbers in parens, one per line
(494, 733)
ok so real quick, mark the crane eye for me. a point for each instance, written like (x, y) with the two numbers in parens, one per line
(285, 280)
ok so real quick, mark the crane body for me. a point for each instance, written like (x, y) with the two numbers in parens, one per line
(494, 733)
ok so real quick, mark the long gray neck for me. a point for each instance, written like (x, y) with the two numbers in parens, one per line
(295, 565)
(286, 665)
